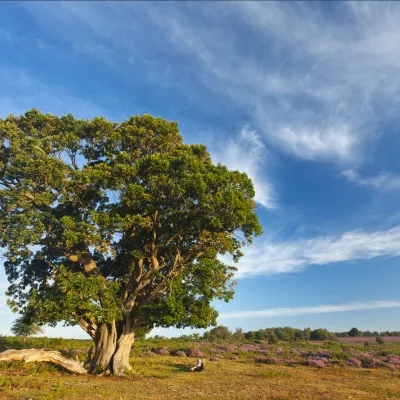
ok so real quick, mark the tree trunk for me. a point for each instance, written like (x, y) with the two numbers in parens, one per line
(120, 361)
(105, 342)
(112, 348)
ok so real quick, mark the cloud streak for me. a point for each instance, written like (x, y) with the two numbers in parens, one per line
(268, 257)
(383, 181)
(321, 309)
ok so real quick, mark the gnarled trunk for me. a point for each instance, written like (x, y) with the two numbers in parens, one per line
(112, 348)
(105, 341)
(120, 361)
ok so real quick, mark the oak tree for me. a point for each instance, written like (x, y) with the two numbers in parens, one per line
(117, 227)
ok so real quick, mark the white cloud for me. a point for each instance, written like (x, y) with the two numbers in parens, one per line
(246, 153)
(322, 309)
(318, 94)
(267, 257)
(314, 97)
(383, 181)
(311, 143)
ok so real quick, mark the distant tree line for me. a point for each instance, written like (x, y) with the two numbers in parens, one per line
(274, 335)
(354, 332)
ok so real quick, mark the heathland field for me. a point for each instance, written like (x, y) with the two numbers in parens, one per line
(299, 370)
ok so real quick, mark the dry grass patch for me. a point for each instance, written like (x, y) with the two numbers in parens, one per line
(167, 378)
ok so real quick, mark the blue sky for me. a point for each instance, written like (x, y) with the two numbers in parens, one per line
(304, 97)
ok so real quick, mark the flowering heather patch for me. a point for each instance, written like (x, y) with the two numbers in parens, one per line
(374, 363)
(367, 354)
(354, 362)
(315, 356)
(317, 353)
(318, 362)
(368, 339)
(228, 348)
(164, 351)
(195, 353)
(393, 360)
(249, 348)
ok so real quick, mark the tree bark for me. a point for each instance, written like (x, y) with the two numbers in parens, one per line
(112, 348)
(105, 341)
(120, 361)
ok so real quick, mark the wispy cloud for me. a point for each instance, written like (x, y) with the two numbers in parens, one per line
(318, 95)
(322, 309)
(247, 153)
(268, 257)
(383, 181)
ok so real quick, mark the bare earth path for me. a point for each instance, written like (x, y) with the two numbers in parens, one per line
(167, 378)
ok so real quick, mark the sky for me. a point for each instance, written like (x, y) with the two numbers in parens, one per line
(303, 97)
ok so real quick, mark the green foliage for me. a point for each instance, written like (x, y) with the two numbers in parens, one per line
(239, 335)
(379, 340)
(354, 332)
(220, 333)
(24, 328)
(273, 335)
(102, 220)
(319, 334)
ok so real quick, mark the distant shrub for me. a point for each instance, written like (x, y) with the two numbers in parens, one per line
(354, 362)
(238, 336)
(214, 358)
(273, 339)
(379, 340)
(180, 353)
(393, 360)
(195, 353)
(319, 334)
(219, 333)
(164, 351)
(354, 333)
(317, 362)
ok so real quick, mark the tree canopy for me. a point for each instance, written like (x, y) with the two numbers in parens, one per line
(117, 224)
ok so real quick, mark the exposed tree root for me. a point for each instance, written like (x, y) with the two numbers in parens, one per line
(35, 355)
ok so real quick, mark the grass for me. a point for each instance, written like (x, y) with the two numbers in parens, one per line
(167, 377)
